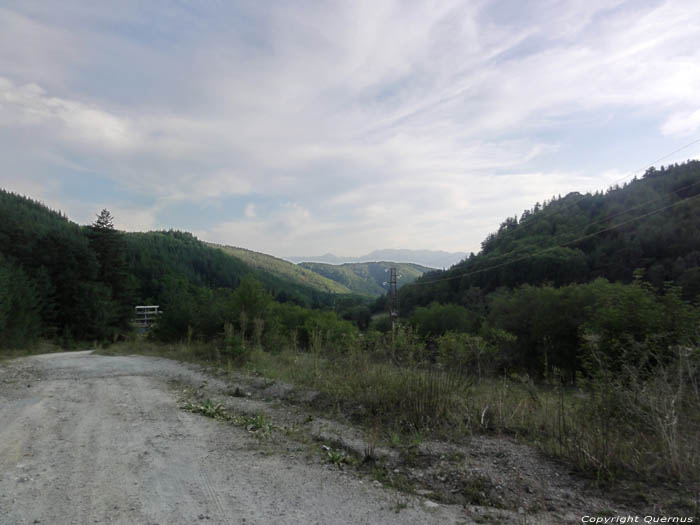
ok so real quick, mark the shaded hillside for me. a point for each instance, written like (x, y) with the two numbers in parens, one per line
(48, 274)
(284, 269)
(158, 258)
(60, 279)
(367, 278)
(651, 224)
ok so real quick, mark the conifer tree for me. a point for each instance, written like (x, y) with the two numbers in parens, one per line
(109, 247)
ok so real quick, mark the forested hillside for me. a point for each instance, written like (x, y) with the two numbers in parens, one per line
(50, 276)
(69, 282)
(615, 271)
(651, 224)
(156, 258)
(284, 269)
(367, 278)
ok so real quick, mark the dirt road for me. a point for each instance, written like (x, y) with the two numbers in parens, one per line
(96, 439)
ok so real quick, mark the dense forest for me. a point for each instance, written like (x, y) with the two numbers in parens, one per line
(70, 283)
(619, 267)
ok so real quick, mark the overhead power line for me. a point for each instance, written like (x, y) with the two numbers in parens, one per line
(560, 209)
(562, 245)
(610, 217)
(658, 160)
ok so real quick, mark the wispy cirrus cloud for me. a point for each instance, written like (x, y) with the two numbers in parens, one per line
(345, 126)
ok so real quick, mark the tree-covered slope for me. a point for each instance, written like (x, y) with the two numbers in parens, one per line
(284, 269)
(651, 224)
(156, 258)
(52, 271)
(60, 279)
(367, 278)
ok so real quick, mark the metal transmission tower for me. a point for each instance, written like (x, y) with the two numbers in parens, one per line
(393, 298)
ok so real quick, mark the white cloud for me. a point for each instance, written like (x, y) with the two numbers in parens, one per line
(287, 228)
(682, 124)
(383, 124)
(132, 218)
(29, 105)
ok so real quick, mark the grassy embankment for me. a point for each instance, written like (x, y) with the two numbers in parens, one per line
(627, 426)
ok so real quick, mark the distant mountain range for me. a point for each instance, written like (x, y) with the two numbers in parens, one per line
(366, 278)
(428, 258)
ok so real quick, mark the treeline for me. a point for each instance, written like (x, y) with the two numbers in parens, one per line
(543, 331)
(51, 271)
(548, 331)
(72, 283)
(238, 319)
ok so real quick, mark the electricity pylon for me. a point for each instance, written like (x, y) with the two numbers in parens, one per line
(393, 298)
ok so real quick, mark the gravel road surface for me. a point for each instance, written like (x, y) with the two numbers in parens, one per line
(96, 439)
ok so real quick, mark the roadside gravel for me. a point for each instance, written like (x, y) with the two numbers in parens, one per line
(100, 439)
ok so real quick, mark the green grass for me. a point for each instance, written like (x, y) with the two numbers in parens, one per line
(382, 394)
(618, 428)
(627, 425)
(404, 398)
(337, 457)
(207, 408)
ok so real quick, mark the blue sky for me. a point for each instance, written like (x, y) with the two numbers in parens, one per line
(299, 128)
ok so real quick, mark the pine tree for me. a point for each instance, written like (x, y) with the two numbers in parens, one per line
(109, 246)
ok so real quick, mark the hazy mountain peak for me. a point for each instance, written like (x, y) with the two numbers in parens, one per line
(429, 258)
